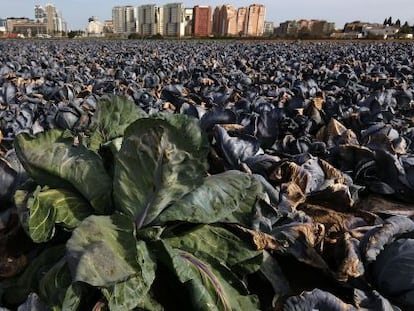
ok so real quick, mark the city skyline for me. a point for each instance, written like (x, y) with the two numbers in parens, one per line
(77, 12)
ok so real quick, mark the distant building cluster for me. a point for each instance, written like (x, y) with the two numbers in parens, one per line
(245, 21)
(361, 30)
(48, 21)
(174, 20)
(305, 28)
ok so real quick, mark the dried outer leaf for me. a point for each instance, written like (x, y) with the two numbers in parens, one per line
(318, 102)
(376, 239)
(334, 221)
(386, 206)
(300, 240)
(335, 196)
(233, 127)
(335, 134)
(316, 300)
(331, 172)
(291, 196)
(351, 266)
(309, 176)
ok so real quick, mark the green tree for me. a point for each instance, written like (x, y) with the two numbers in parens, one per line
(406, 29)
(398, 23)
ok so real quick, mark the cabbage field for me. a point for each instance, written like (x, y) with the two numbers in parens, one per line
(206, 175)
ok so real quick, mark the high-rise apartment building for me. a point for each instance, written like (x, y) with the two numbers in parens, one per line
(188, 21)
(131, 20)
(241, 20)
(202, 21)
(50, 18)
(173, 19)
(229, 20)
(150, 20)
(255, 20)
(125, 19)
(40, 14)
(118, 19)
(54, 19)
(217, 21)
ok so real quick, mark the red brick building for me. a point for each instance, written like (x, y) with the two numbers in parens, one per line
(202, 21)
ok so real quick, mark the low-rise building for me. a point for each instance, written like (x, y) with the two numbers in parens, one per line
(95, 28)
(108, 26)
(25, 27)
(379, 31)
(306, 27)
(269, 28)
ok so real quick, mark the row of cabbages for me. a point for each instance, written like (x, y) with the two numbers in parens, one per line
(309, 171)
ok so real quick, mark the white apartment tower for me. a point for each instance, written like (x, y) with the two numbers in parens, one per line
(125, 19)
(54, 19)
(150, 18)
(174, 20)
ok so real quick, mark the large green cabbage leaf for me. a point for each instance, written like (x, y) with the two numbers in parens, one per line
(113, 115)
(156, 166)
(207, 241)
(210, 284)
(226, 197)
(102, 251)
(41, 210)
(53, 160)
(133, 292)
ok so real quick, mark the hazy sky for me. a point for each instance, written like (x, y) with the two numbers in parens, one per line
(77, 12)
